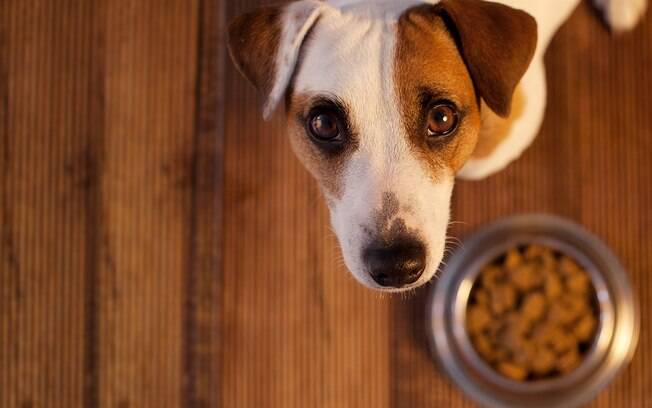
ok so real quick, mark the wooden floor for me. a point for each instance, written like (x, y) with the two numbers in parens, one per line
(161, 246)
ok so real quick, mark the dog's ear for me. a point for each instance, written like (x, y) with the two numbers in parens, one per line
(497, 43)
(264, 45)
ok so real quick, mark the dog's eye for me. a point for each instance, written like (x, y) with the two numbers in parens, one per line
(442, 119)
(324, 126)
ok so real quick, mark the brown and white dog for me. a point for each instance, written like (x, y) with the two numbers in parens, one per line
(387, 101)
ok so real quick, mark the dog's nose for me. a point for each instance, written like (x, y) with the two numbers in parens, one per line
(396, 265)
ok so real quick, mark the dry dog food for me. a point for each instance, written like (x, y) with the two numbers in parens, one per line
(532, 314)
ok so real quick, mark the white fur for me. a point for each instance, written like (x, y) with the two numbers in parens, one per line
(622, 14)
(355, 40)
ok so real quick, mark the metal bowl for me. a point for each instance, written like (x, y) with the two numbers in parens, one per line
(615, 340)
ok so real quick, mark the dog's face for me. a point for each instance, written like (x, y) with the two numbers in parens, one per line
(383, 110)
(384, 129)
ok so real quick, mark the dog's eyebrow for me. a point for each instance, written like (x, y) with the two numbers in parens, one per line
(427, 94)
(327, 101)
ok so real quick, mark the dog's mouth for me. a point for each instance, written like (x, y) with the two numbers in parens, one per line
(371, 284)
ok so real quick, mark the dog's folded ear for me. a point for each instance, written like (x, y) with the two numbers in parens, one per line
(497, 43)
(264, 44)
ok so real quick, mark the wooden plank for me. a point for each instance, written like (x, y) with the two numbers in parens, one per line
(203, 281)
(45, 134)
(150, 85)
(117, 286)
(615, 150)
(296, 329)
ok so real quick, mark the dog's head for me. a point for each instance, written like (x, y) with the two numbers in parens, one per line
(382, 100)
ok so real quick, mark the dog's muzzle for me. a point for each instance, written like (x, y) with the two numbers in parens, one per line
(395, 264)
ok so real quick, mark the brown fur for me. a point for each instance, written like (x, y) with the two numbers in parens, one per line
(497, 42)
(427, 57)
(496, 129)
(253, 40)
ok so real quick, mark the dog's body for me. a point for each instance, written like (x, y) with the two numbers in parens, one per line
(524, 125)
(389, 100)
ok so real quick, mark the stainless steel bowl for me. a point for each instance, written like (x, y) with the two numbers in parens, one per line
(616, 337)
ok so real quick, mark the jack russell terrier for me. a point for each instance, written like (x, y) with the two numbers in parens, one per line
(387, 101)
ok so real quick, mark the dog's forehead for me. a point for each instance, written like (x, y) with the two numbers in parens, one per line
(346, 54)
(349, 42)
(350, 53)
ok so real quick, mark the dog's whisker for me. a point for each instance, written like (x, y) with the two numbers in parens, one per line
(454, 241)
(453, 238)
(382, 295)
(452, 247)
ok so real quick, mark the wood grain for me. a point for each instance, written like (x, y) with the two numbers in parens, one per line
(160, 245)
(150, 74)
(204, 279)
(45, 137)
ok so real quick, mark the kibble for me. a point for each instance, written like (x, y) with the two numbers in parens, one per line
(532, 314)
(534, 306)
(526, 277)
(544, 361)
(553, 285)
(569, 361)
(478, 319)
(503, 298)
(513, 370)
(585, 328)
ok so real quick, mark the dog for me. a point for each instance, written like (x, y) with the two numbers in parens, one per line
(388, 101)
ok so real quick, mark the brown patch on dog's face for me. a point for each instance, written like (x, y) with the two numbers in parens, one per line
(495, 129)
(325, 161)
(429, 68)
(389, 225)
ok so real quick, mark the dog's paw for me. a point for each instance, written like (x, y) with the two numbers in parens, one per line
(622, 15)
